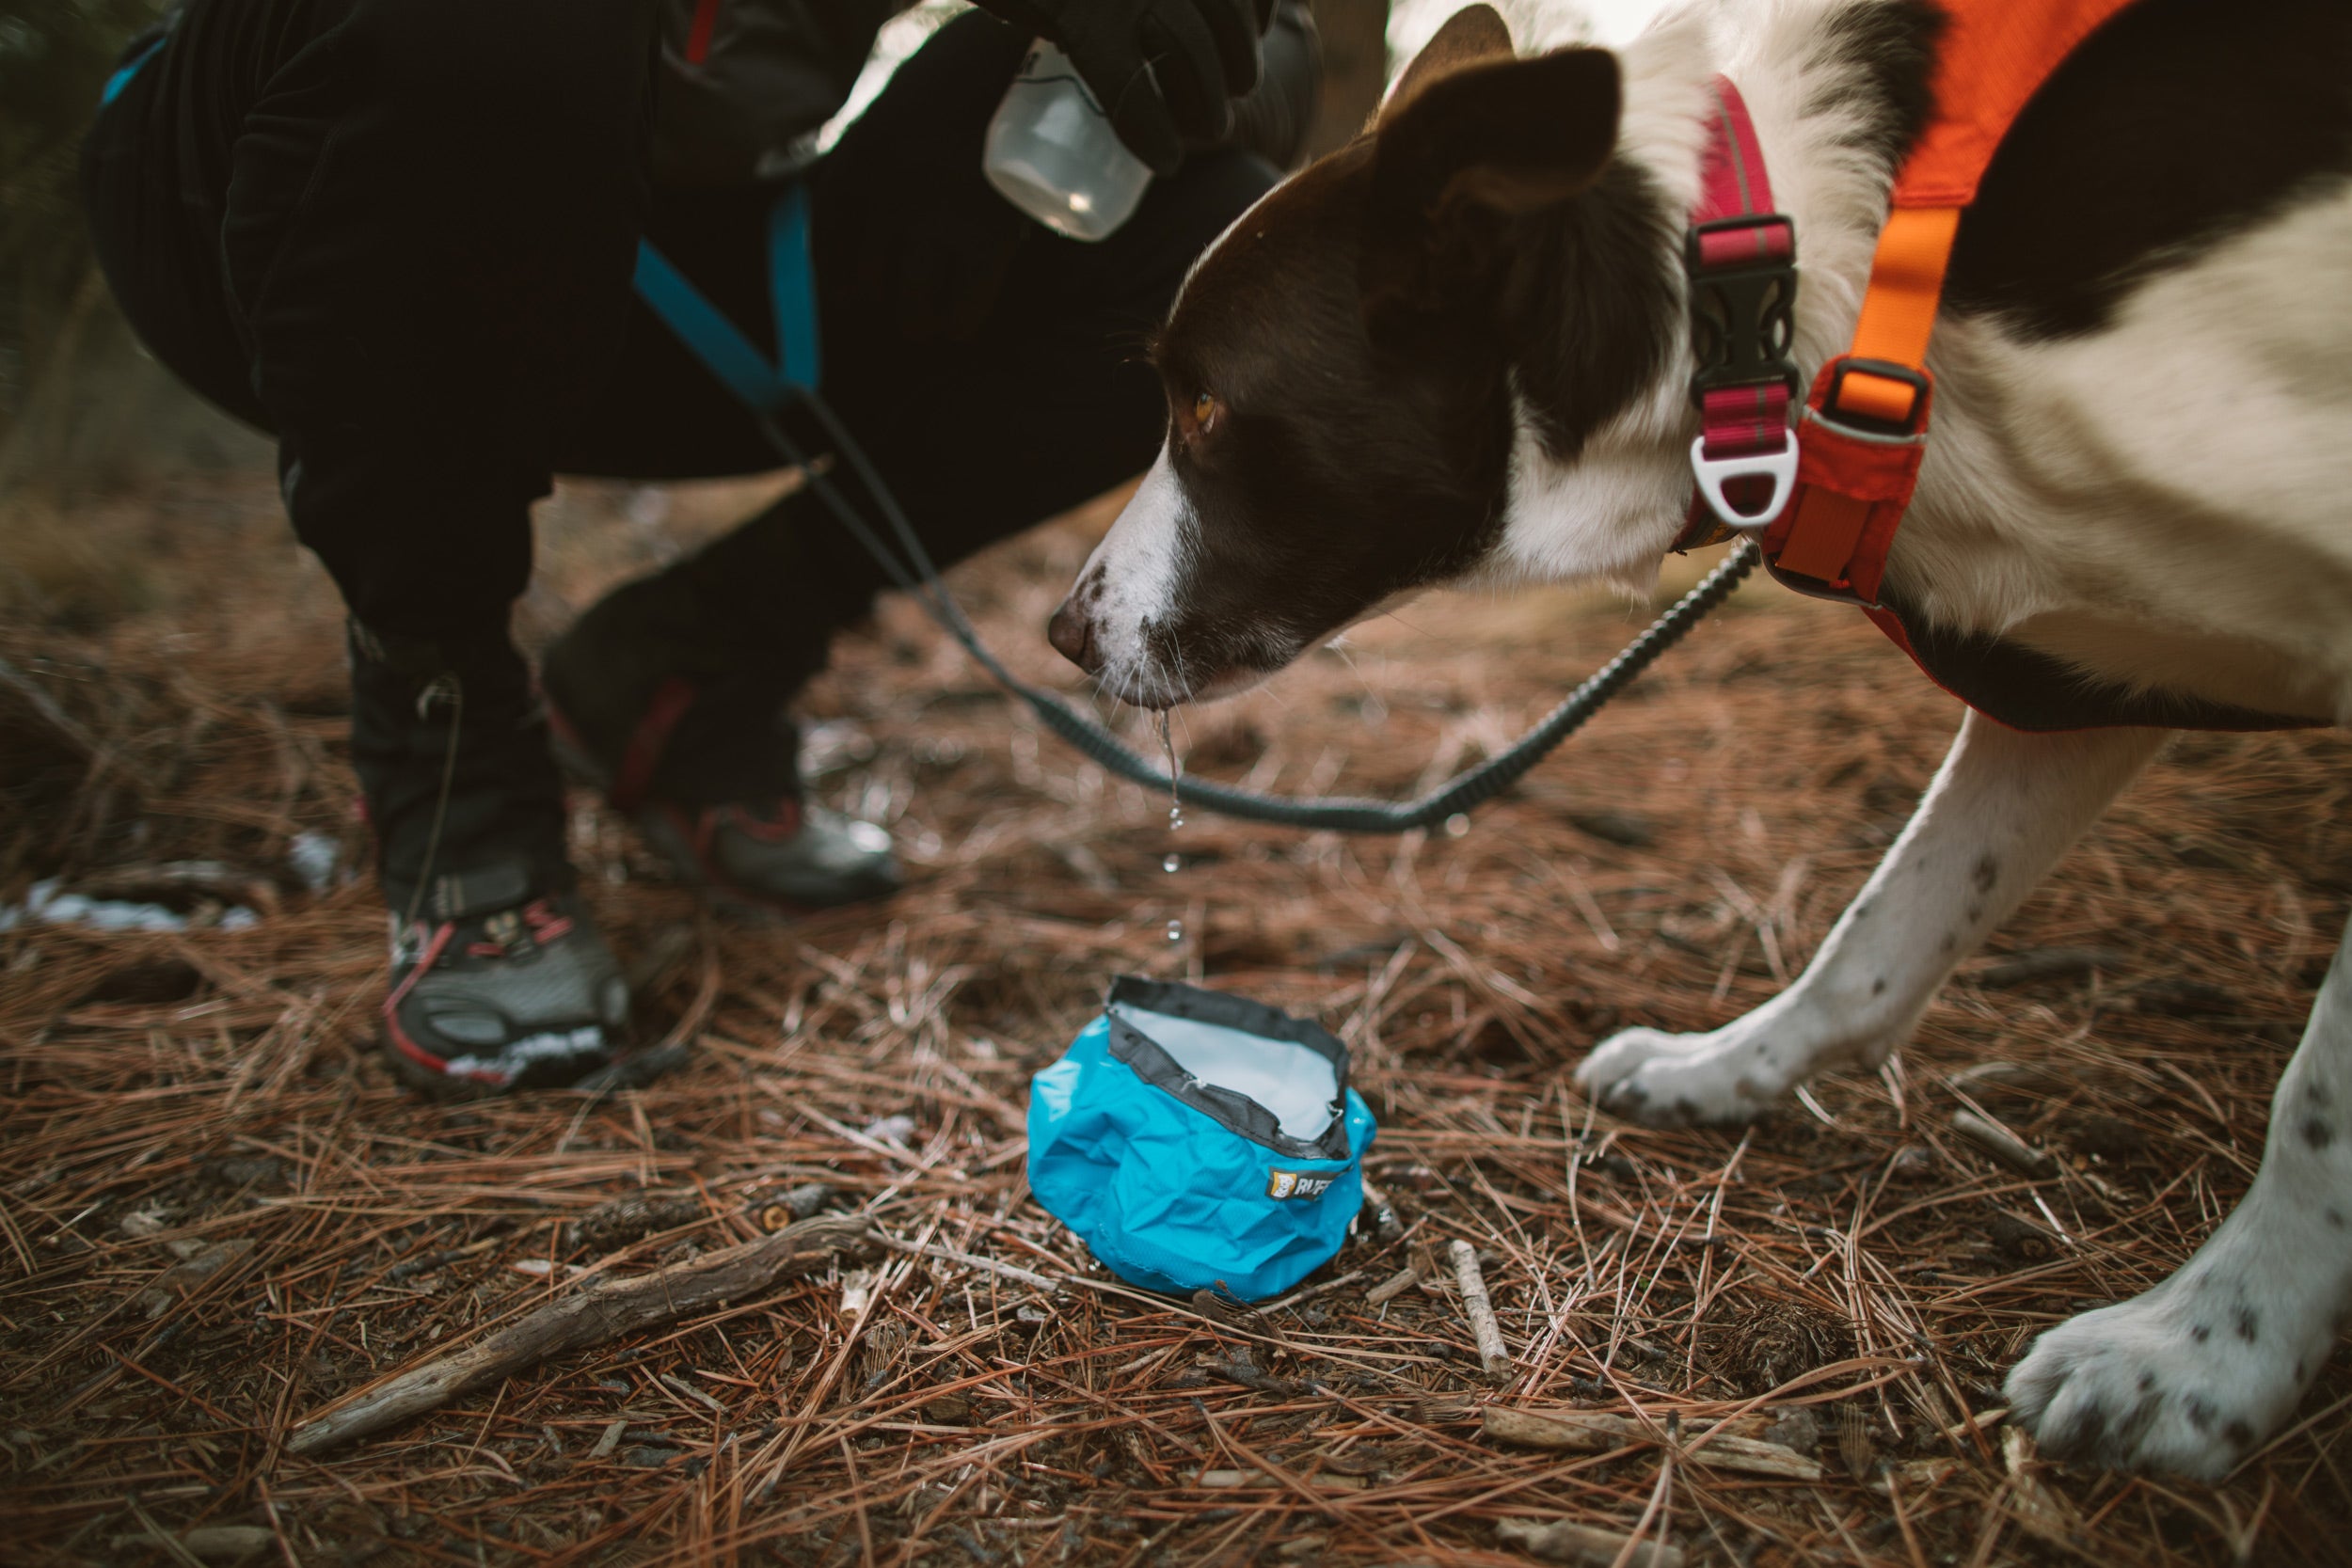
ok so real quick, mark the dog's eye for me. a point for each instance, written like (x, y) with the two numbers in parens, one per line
(1204, 411)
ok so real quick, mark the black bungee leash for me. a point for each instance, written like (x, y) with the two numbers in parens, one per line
(1456, 797)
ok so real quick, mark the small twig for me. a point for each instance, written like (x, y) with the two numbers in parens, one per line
(1598, 1431)
(2059, 1230)
(160, 1536)
(1420, 1263)
(2003, 1144)
(1472, 1284)
(1394, 1286)
(67, 728)
(603, 1312)
(1310, 1293)
(1584, 1546)
(679, 1385)
(1034, 1280)
(1249, 1377)
(1384, 1219)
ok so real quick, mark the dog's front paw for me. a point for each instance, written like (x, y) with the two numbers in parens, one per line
(2169, 1381)
(1666, 1080)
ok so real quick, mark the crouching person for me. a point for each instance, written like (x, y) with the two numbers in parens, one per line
(405, 237)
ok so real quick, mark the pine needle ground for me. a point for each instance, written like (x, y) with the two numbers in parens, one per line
(222, 1215)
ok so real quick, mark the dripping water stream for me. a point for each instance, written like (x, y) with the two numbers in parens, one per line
(1172, 861)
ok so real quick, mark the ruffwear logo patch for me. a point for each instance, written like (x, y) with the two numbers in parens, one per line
(1297, 1184)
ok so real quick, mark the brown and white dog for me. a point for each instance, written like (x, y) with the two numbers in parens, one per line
(1457, 351)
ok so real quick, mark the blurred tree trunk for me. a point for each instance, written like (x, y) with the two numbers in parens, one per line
(1355, 69)
(55, 54)
(33, 440)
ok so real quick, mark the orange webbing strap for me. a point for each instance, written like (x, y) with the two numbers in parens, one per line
(1899, 308)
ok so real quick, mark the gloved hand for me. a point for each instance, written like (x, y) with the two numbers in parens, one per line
(1164, 70)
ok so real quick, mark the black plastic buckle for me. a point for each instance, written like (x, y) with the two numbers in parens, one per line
(1743, 315)
(1886, 369)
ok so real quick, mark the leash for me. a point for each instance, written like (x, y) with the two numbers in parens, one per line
(1458, 796)
(765, 385)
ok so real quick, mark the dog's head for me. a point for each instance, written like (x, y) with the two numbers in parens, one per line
(1367, 370)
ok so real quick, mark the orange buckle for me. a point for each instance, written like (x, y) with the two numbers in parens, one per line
(1876, 397)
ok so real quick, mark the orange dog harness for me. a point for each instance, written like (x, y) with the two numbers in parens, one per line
(1828, 492)
(1866, 422)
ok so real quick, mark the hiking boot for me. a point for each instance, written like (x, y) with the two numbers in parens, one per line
(689, 739)
(500, 980)
(794, 855)
(497, 989)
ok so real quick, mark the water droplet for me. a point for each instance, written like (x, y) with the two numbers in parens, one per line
(1456, 826)
(1170, 863)
(1175, 930)
(1175, 772)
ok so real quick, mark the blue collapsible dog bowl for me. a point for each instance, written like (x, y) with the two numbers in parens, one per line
(1196, 1140)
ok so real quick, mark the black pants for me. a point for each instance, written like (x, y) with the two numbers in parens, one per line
(400, 234)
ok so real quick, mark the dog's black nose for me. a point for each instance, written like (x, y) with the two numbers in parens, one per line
(1071, 633)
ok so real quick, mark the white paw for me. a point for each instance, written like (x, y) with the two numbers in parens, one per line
(1666, 1080)
(2187, 1378)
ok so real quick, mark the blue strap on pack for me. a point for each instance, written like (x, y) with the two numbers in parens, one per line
(761, 384)
(129, 68)
(1199, 1141)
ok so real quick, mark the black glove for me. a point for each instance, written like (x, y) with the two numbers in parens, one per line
(1164, 69)
(1273, 122)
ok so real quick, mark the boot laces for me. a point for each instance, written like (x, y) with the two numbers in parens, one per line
(515, 933)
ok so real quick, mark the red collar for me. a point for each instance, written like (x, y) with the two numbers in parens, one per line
(1740, 256)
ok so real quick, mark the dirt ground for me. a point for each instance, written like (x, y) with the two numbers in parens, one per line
(222, 1216)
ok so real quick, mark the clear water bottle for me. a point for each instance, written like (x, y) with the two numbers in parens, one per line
(1053, 153)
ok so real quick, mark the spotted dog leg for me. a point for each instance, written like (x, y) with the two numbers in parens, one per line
(2004, 806)
(2190, 1376)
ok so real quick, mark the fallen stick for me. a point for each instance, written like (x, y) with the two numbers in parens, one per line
(1394, 1286)
(1249, 1377)
(1596, 1431)
(204, 1543)
(1313, 1290)
(2003, 1144)
(1221, 1480)
(1472, 1284)
(602, 1311)
(1582, 1547)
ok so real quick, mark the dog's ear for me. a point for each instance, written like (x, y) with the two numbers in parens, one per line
(1470, 148)
(1470, 36)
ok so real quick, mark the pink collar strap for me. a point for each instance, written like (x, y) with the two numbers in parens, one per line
(1740, 258)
